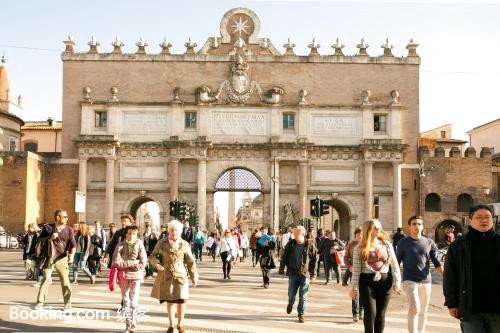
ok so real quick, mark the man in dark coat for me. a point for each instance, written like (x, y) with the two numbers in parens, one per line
(471, 275)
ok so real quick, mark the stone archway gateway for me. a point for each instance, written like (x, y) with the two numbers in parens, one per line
(250, 214)
(143, 212)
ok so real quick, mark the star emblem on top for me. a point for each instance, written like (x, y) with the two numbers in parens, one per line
(240, 26)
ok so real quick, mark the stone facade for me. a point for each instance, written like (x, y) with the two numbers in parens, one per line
(336, 126)
(450, 184)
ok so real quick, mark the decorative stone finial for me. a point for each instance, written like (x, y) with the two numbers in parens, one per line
(215, 43)
(165, 46)
(93, 44)
(387, 48)
(114, 93)
(314, 47)
(338, 48)
(177, 92)
(289, 47)
(70, 45)
(302, 96)
(141, 46)
(412, 48)
(86, 94)
(3, 60)
(240, 43)
(117, 45)
(265, 43)
(190, 45)
(394, 97)
(362, 48)
(365, 97)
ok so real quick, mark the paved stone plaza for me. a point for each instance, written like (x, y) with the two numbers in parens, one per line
(216, 305)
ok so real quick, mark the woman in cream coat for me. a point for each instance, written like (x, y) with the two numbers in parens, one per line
(175, 264)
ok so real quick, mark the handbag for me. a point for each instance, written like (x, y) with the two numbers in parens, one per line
(339, 257)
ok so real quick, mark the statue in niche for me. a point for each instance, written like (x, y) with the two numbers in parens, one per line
(394, 97)
(290, 213)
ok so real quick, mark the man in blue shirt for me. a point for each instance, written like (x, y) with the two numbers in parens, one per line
(416, 252)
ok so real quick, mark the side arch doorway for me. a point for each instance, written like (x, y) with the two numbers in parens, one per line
(238, 200)
(339, 219)
(146, 210)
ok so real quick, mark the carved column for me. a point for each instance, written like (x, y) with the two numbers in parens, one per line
(174, 179)
(303, 189)
(202, 193)
(352, 225)
(275, 194)
(368, 189)
(110, 190)
(231, 210)
(396, 195)
(82, 182)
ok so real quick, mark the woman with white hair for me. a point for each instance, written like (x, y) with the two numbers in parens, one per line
(175, 264)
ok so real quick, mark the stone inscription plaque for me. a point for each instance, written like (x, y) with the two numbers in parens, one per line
(334, 176)
(239, 123)
(144, 122)
(335, 126)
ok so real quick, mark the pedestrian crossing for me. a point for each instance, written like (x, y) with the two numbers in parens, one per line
(242, 305)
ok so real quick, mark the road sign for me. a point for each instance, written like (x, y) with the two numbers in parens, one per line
(80, 199)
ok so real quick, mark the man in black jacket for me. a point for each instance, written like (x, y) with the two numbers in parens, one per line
(119, 236)
(300, 257)
(471, 275)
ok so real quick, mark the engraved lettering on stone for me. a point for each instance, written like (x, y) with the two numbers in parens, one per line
(235, 123)
(144, 122)
(337, 126)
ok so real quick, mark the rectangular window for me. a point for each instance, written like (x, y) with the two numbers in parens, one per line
(380, 123)
(12, 144)
(190, 120)
(289, 121)
(101, 119)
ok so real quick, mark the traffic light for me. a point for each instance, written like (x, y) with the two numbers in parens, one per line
(324, 207)
(315, 207)
(182, 211)
(375, 207)
(173, 208)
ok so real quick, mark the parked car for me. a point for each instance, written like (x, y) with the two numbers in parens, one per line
(8, 240)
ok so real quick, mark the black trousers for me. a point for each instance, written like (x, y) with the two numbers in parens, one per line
(374, 297)
(226, 265)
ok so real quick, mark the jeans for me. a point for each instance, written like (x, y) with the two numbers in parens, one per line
(300, 283)
(62, 269)
(418, 295)
(198, 250)
(80, 260)
(130, 301)
(481, 323)
(226, 264)
(329, 267)
(374, 296)
(254, 257)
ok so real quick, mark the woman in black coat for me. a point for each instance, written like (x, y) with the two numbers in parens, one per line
(328, 248)
(267, 261)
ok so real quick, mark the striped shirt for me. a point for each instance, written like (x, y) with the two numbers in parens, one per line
(359, 267)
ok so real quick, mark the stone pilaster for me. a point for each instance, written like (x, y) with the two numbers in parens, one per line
(110, 190)
(82, 182)
(202, 193)
(275, 193)
(368, 189)
(174, 178)
(396, 195)
(303, 189)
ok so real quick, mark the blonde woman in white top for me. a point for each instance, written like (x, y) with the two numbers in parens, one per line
(228, 250)
(375, 271)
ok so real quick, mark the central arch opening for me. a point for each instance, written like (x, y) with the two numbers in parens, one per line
(238, 200)
(146, 210)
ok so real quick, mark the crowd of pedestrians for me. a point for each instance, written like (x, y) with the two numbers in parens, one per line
(375, 265)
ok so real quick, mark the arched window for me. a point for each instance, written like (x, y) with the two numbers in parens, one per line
(432, 202)
(464, 202)
(31, 146)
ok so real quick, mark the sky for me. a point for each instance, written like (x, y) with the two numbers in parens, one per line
(459, 43)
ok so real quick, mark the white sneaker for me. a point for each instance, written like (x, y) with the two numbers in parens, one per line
(39, 306)
(36, 285)
(67, 307)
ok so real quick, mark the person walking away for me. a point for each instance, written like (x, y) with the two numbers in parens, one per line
(357, 309)
(471, 275)
(398, 235)
(329, 246)
(199, 241)
(245, 243)
(29, 241)
(99, 230)
(375, 272)
(82, 253)
(60, 237)
(320, 238)
(175, 268)
(300, 258)
(267, 261)
(95, 253)
(211, 245)
(130, 258)
(227, 249)
(254, 237)
(416, 252)
(152, 240)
